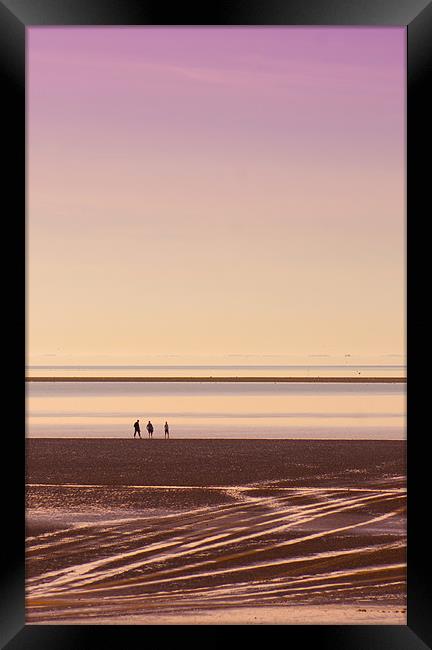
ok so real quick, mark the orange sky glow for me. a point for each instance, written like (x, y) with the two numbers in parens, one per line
(209, 192)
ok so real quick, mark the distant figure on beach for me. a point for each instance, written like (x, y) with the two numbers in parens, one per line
(137, 429)
(150, 429)
(166, 429)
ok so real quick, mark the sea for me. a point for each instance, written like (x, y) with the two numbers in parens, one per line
(195, 409)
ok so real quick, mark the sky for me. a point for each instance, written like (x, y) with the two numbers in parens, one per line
(209, 192)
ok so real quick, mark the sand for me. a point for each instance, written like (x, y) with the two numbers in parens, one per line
(215, 531)
(217, 462)
(276, 615)
(260, 379)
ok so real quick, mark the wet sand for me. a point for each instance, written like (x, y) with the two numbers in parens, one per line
(210, 530)
(274, 615)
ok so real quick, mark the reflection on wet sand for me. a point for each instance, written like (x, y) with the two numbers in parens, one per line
(97, 551)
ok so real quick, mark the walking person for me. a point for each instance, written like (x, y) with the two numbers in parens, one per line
(137, 429)
(166, 429)
(150, 429)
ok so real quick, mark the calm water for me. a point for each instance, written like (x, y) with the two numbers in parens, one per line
(337, 411)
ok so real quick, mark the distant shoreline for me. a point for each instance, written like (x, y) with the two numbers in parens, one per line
(273, 380)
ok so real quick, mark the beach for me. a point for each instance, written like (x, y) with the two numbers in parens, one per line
(215, 531)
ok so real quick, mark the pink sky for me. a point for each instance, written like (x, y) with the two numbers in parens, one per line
(216, 191)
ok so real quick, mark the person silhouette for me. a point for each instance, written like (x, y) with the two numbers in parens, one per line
(150, 429)
(166, 429)
(137, 429)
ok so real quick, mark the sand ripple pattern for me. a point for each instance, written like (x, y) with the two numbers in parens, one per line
(266, 544)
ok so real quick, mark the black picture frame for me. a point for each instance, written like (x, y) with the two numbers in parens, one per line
(15, 17)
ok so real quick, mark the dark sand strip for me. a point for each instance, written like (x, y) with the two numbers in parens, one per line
(260, 380)
(219, 462)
